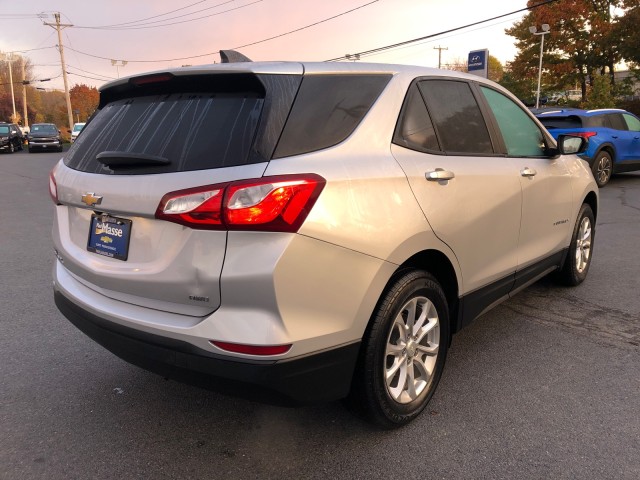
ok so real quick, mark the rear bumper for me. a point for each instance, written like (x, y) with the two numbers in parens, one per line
(320, 377)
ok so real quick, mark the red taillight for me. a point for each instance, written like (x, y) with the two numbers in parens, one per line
(53, 189)
(279, 203)
(586, 135)
(195, 207)
(252, 349)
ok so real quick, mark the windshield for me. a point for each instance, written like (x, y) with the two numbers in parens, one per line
(44, 129)
(4, 130)
(77, 127)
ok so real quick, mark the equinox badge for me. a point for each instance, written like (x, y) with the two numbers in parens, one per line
(90, 199)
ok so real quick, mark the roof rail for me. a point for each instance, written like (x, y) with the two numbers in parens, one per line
(231, 56)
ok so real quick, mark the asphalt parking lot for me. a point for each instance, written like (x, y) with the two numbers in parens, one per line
(547, 385)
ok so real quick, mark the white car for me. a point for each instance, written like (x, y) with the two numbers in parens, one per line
(77, 128)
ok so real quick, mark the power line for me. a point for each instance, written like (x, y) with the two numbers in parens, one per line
(31, 49)
(91, 73)
(306, 26)
(141, 26)
(155, 16)
(85, 76)
(138, 22)
(238, 47)
(406, 42)
(29, 82)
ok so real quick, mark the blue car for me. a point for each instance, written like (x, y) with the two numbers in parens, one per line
(613, 135)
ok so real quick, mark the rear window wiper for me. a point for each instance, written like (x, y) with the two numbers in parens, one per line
(114, 159)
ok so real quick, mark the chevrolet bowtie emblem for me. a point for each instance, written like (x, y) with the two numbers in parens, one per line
(90, 199)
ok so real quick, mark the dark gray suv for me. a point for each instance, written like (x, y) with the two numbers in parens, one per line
(11, 137)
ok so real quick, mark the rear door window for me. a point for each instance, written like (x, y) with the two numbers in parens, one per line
(415, 129)
(616, 121)
(457, 117)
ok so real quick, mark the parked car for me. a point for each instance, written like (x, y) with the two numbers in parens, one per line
(305, 232)
(613, 134)
(44, 137)
(11, 138)
(77, 128)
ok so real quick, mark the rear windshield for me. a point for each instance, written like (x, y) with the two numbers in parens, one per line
(191, 131)
(561, 122)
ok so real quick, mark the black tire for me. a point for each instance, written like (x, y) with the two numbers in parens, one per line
(29, 150)
(576, 265)
(11, 147)
(602, 168)
(391, 403)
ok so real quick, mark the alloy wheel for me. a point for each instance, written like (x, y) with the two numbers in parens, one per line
(411, 350)
(583, 245)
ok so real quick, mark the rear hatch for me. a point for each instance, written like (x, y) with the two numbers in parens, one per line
(153, 135)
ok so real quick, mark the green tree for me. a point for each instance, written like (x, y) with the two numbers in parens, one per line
(599, 93)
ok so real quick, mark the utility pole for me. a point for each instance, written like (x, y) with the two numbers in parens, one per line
(25, 120)
(59, 26)
(439, 48)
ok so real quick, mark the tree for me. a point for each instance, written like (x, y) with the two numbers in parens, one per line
(585, 39)
(84, 99)
(629, 33)
(600, 93)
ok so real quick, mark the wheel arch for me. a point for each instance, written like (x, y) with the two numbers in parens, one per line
(609, 148)
(437, 264)
(591, 199)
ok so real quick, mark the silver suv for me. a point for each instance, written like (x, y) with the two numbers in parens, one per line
(305, 232)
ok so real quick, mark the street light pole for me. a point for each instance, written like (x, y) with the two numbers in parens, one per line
(115, 63)
(545, 29)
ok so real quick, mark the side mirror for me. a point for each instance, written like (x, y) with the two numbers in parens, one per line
(570, 144)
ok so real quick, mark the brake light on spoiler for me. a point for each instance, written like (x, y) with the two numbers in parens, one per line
(278, 204)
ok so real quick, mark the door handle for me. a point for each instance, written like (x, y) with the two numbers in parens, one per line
(528, 172)
(614, 136)
(439, 174)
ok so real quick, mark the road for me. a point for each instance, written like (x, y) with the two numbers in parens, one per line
(546, 385)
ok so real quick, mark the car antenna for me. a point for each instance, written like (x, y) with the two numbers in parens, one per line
(231, 56)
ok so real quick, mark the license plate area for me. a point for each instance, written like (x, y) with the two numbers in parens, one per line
(109, 236)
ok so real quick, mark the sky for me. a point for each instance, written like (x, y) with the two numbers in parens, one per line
(151, 35)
